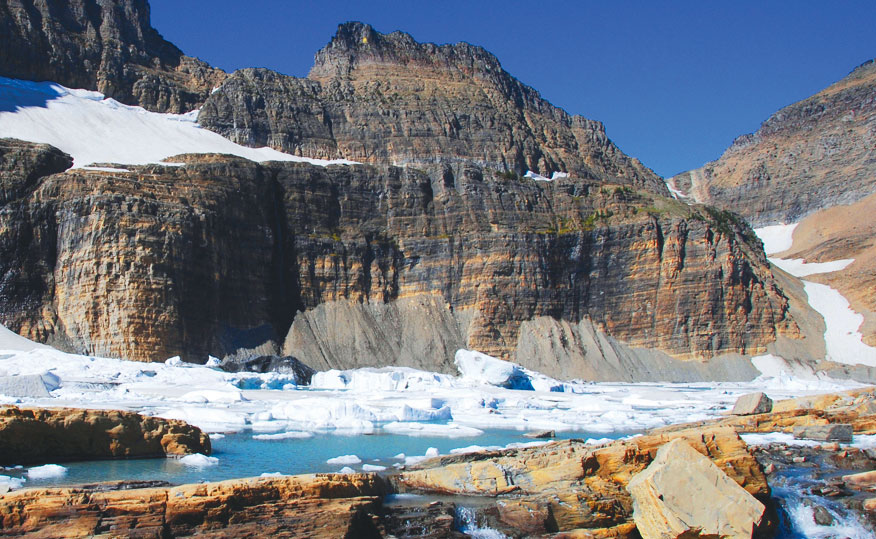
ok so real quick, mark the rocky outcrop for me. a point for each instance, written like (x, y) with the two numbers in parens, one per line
(220, 254)
(385, 98)
(108, 46)
(40, 435)
(668, 498)
(569, 485)
(320, 505)
(811, 155)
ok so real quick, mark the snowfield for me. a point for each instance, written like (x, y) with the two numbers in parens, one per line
(842, 339)
(95, 129)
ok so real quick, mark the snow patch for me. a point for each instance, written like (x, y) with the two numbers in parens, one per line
(95, 129)
(776, 238)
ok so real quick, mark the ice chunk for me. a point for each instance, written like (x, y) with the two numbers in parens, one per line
(47, 471)
(449, 430)
(271, 474)
(209, 419)
(199, 461)
(344, 459)
(373, 468)
(484, 369)
(294, 434)
(346, 470)
(174, 361)
(32, 386)
(8, 483)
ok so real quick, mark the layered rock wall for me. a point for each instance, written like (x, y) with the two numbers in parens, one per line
(220, 254)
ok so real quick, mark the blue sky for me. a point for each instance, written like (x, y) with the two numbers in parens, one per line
(674, 82)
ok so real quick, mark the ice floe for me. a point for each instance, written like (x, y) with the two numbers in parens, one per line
(198, 461)
(344, 459)
(47, 471)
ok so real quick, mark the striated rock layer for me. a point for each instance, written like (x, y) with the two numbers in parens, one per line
(319, 505)
(40, 435)
(811, 155)
(220, 254)
(108, 46)
(385, 98)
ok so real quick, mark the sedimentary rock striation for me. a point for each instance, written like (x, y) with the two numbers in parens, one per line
(811, 155)
(40, 435)
(321, 505)
(108, 46)
(218, 256)
(385, 98)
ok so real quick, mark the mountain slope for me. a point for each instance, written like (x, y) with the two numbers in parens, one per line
(385, 98)
(811, 155)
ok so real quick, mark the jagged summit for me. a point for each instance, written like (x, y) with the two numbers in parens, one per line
(386, 98)
(357, 43)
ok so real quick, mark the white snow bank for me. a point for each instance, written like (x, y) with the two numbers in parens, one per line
(844, 341)
(800, 268)
(9, 340)
(198, 461)
(344, 459)
(47, 471)
(94, 129)
(776, 238)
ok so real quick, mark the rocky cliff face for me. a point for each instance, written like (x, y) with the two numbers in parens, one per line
(220, 254)
(384, 98)
(811, 155)
(108, 46)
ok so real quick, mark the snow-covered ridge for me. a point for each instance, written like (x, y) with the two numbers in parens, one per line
(95, 129)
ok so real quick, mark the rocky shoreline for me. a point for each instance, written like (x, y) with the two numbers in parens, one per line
(562, 489)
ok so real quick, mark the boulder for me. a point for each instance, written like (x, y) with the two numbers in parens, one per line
(837, 432)
(860, 481)
(41, 435)
(683, 494)
(752, 403)
(540, 435)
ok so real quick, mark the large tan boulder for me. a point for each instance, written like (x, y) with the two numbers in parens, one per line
(684, 494)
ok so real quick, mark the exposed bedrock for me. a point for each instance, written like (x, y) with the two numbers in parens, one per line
(40, 435)
(811, 155)
(385, 98)
(104, 45)
(377, 265)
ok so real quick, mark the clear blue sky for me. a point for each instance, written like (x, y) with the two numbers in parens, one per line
(674, 82)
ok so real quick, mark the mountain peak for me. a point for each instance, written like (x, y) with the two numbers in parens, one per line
(357, 44)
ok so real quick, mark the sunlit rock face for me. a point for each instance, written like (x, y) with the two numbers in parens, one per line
(106, 46)
(385, 98)
(219, 254)
(811, 155)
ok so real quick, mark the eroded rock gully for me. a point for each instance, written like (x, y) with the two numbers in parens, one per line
(218, 256)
